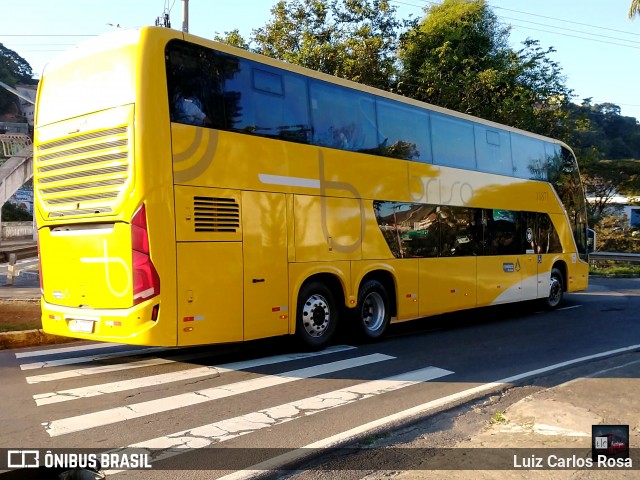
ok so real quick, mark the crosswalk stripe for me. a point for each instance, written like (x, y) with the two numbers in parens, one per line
(55, 351)
(154, 380)
(200, 437)
(82, 372)
(150, 362)
(91, 358)
(128, 412)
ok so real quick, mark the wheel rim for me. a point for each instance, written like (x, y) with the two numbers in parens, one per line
(555, 291)
(373, 311)
(316, 315)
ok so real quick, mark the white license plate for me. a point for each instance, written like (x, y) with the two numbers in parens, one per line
(84, 326)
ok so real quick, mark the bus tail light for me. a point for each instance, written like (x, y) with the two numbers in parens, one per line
(146, 282)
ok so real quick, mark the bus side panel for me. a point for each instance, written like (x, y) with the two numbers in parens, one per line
(499, 279)
(209, 292)
(266, 296)
(328, 228)
(447, 284)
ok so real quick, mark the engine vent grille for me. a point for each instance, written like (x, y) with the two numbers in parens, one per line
(215, 214)
(83, 174)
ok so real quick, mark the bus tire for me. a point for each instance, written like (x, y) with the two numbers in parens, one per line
(372, 314)
(556, 290)
(317, 315)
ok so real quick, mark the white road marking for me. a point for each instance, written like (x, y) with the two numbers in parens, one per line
(137, 410)
(426, 408)
(570, 307)
(213, 433)
(154, 380)
(151, 362)
(91, 358)
(55, 351)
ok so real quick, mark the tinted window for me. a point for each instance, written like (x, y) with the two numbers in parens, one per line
(502, 232)
(404, 131)
(547, 239)
(493, 150)
(270, 103)
(453, 142)
(458, 231)
(342, 118)
(410, 229)
(529, 158)
(421, 231)
(196, 80)
(566, 180)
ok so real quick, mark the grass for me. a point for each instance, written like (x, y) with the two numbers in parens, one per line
(615, 270)
(17, 315)
(499, 417)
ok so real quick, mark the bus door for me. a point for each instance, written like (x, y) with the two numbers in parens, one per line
(500, 267)
(547, 247)
(264, 237)
(529, 264)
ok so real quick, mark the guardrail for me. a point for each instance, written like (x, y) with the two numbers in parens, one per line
(615, 257)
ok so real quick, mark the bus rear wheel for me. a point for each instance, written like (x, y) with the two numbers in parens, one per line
(556, 290)
(317, 315)
(372, 314)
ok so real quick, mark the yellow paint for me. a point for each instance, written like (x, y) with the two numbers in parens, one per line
(302, 210)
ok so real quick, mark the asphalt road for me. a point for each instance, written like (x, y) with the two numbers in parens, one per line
(248, 403)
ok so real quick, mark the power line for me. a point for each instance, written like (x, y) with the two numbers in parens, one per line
(566, 21)
(581, 38)
(553, 26)
(572, 30)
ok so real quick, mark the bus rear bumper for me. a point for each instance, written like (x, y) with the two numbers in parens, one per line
(132, 326)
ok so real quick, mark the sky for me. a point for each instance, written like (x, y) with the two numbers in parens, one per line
(596, 44)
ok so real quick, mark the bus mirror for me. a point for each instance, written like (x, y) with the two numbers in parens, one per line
(591, 240)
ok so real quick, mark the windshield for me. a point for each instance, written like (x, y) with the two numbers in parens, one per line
(565, 178)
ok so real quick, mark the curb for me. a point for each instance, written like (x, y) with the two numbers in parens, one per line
(30, 338)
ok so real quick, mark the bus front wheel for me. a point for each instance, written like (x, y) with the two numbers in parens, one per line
(556, 290)
(372, 315)
(317, 315)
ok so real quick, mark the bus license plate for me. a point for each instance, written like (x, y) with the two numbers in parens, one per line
(83, 326)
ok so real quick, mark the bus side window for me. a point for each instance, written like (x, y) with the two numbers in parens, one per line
(458, 231)
(502, 233)
(342, 118)
(548, 239)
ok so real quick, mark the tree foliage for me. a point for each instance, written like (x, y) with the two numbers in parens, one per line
(604, 179)
(634, 9)
(13, 69)
(352, 39)
(603, 128)
(458, 57)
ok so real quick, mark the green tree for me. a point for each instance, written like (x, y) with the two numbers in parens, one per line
(458, 57)
(604, 179)
(233, 38)
(13, 69)
(12, 213)
(352, 39)
(634, 9)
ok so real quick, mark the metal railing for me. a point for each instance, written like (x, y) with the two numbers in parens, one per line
(615, 257)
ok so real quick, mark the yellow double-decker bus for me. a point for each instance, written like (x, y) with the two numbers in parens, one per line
(188, 193)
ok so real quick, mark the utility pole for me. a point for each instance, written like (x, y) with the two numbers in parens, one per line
(185, 16)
